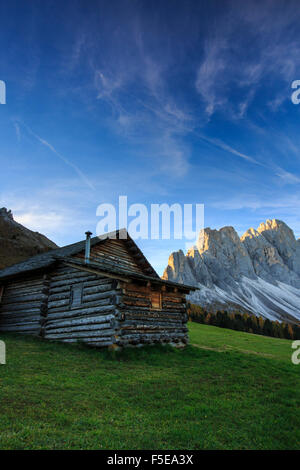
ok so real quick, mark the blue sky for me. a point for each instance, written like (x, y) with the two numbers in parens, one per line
(173, 101)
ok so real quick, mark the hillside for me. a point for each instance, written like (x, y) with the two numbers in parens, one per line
(17, 242)
(231, 390)
(257, 273)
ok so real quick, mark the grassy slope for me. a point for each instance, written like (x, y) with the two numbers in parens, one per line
(58, 396)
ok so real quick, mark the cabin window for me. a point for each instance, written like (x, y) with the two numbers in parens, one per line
(76, 296)
(156, 300)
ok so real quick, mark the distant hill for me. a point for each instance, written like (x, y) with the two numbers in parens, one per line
(257, 273)
(17, 242)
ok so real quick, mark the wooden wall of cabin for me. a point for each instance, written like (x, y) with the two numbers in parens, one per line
(72, 305)
(114, 253)
(151, 315)
(23, 301)
(81, 307)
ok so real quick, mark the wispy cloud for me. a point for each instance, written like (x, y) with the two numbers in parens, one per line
(156, 117)
(223, 146)
(233, 65)
(18, 130)
(250, 201)
(44, 142)
(287, 177)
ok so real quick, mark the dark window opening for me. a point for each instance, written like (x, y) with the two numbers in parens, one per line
(76, 296)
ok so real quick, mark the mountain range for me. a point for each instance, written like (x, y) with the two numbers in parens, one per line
(257, 273)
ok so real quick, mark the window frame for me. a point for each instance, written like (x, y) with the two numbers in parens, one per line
(159, 293)
(74, 287)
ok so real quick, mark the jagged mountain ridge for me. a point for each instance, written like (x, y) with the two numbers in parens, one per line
(258, 273)
(18, 242)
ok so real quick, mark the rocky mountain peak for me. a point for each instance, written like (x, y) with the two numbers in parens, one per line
(212, 239)
(248, 271)
(6, 213)
(250, 233)
(276, 229)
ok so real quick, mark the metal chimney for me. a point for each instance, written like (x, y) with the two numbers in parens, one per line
(87, 247)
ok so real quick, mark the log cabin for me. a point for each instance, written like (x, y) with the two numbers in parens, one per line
(101, 291)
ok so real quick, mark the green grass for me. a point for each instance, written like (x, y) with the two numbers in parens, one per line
(231, 390)
(221, 339)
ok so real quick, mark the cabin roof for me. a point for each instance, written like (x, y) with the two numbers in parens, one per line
(122, 273)
(64, 254)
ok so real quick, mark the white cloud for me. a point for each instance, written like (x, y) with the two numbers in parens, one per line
(41, 222)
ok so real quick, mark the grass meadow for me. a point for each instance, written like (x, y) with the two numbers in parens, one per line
(226, 390)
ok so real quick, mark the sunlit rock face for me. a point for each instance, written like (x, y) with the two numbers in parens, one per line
(260, 271)
(283, 239)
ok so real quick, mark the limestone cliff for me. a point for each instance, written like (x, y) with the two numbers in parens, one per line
(260, 271)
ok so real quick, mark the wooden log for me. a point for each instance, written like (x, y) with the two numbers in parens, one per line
(59, 296)
(153, 337)
(79, 312)
(137, 295)
(24, 312)
(159, 323)
(136, 288)
(98, 281)
(147, 328)
(68, 274)
(25, 291)
(84, 320)
(100, 327)
(11, 321)
(13, 299)
(80, 334)
(20, 328)
(20, 322)
(177, 300)
(97, 296)
(62, 289)
(101, 288)
(135, 301)
(55, 304)
(172, 306)
(91, 342)
(92, 305)
(68, 281)
(139, 314)
(24, 283)
(20, 307)
(87, 283)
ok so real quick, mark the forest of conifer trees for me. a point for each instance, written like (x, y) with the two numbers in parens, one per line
(244, 322)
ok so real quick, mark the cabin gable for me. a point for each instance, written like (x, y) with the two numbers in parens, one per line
(115, 253)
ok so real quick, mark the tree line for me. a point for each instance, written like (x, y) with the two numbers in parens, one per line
(244, 322)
